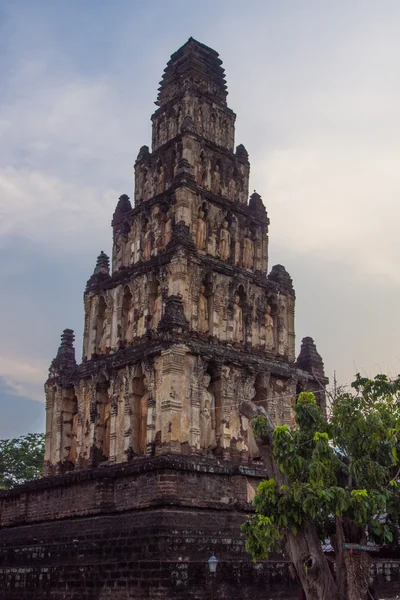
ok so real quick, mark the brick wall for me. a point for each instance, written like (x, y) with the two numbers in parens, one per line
(141, 531)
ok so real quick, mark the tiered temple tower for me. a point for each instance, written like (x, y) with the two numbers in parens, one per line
(151, 467)
(187, 324)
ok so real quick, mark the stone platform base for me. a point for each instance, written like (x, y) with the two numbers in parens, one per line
(142, 530)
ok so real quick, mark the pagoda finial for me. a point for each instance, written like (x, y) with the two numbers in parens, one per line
(280, 276)
(256, 204)
(194, 65)
(65, 359)
(102, 264)
(174, 318)
(309, 358)
(123, 207)
(242, 154)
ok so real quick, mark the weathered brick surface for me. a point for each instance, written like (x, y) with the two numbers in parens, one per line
(141, 531)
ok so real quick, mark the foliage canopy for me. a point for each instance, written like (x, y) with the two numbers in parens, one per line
(346, 466)
(21, 459)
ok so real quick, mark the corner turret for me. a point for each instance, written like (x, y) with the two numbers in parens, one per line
(310, 361)
(65, 359)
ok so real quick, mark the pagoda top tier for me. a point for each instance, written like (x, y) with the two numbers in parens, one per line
(194, 65)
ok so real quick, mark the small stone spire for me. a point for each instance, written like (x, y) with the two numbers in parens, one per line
(65, 359)
(280, 276)
(123, 207)
(184, 170)
(174, 318)
(144, 152)
(188, 125)
(101, 271)
(181, 236)
(309, 359)
(256, 204)
(242, 153)
(193, 65)
(102, 264)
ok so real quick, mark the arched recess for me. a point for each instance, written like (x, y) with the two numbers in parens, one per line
(101, 326)
(103, 419)
(139, 411)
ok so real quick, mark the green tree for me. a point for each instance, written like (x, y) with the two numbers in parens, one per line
(331, 479)
(21, 459)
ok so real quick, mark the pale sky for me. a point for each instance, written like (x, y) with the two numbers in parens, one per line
(316, 90)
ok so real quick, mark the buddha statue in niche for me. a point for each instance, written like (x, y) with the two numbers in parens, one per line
(203, 311)
(156, 308)
(224, 241)
(147, 241)
(269, 330)
(201, 233)
(237, 319)
(248, 251)
(207, 416)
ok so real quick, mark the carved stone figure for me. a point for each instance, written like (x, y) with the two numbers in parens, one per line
(167, 229)
(74, 432)
(269, 330)
(161, 180)
(201, 233)
(103, 339)
(199, 120)
(157, 229)
(203, 311)
(248, 251)
(207, 416)
(147, 242)
(237, 320)
(156, 309)
(201, 171)
(216, 185)
(224, 241)
(212, 126)
(232, 188)
(282, 329)
(130, 325)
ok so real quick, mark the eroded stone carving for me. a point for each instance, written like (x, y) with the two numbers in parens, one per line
(201, 232)
(248, 251)
(207, 416)
(224, 241)
(269, 330)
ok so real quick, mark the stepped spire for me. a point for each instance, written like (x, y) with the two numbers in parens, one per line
(309, 358)
(102, 264)
(65, 359)
(193, 65)
(123, 207)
